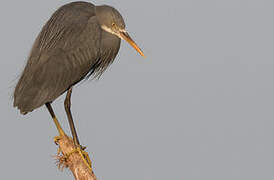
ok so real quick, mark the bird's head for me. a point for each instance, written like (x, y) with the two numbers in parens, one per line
(112, 22)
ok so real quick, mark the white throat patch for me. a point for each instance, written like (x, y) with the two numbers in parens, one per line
(105, 28)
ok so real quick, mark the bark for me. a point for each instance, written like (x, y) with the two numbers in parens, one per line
(74, 160)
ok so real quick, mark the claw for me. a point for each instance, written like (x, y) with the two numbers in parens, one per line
(84, 155)
(56, 139)
(83, 147)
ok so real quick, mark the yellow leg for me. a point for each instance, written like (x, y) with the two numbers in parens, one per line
(58, 126)
(84, 155)
(56, 122)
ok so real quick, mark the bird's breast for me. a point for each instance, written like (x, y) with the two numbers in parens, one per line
(109, 48)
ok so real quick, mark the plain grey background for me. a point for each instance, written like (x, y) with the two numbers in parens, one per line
(199, 106)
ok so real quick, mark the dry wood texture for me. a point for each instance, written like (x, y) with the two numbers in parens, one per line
(74, 160)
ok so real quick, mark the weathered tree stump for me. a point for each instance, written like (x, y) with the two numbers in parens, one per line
(70, 158)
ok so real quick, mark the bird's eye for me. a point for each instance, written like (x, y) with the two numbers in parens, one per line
(113, 24)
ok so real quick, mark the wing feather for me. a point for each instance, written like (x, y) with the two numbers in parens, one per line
(63, 54)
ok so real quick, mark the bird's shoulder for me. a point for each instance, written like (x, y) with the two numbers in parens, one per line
(70, 26)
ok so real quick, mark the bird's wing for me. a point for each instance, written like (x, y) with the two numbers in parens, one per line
(63, 53)
(66, 26)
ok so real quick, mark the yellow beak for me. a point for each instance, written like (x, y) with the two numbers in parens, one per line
(126, 37)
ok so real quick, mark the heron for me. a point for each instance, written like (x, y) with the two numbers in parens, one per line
(80, 40)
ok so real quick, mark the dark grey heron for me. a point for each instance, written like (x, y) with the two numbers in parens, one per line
(79, 40)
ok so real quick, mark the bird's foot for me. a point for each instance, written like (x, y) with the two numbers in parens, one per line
(56, 140)
(84, 155)
(78, 149)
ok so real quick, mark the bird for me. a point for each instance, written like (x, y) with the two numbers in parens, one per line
(79, 41)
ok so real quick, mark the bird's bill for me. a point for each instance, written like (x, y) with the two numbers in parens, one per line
(126, 37)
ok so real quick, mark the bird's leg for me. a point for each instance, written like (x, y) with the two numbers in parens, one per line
(78, 147)
(67, 104)
(56, 122)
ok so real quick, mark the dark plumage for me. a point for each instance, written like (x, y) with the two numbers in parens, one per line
(70, 45)
(79, 40)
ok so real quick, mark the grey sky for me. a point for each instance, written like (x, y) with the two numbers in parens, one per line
(199, 106)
